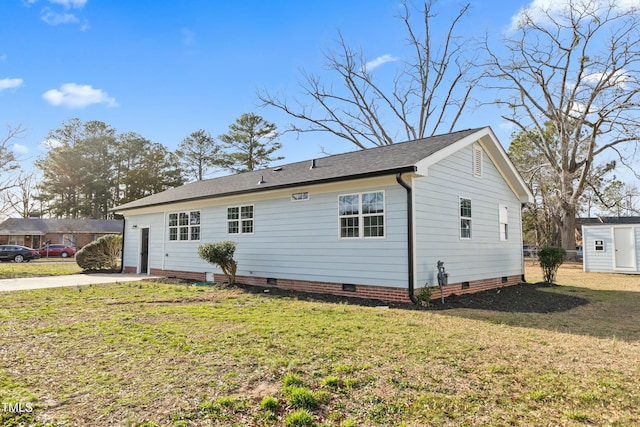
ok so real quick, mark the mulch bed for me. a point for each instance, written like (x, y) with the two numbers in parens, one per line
(523, 297)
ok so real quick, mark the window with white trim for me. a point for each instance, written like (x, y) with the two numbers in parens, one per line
(477, 161)
(184, 226)
(240, 219)
(503, 218)
(465, 218)
(361, 215)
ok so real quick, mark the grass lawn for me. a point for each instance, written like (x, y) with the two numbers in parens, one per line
(161, 354)
(41, 267)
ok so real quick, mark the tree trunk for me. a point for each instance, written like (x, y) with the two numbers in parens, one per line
(568, 232)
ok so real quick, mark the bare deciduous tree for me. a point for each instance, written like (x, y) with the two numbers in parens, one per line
(9, 166)
(575, 66)
(21, 199)
(8, 160)
(429, 92)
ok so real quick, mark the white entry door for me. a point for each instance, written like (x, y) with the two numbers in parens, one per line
(624, 247)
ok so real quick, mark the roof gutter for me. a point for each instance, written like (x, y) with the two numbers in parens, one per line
(407, 187)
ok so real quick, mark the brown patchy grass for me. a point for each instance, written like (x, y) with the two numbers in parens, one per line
(176, 355)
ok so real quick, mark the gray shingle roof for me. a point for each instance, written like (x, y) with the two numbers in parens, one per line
(608, 220)
(37, 226)
(390, 159)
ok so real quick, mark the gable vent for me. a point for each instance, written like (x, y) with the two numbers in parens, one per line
(477, 161)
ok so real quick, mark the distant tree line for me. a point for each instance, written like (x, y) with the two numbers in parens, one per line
(90, 168)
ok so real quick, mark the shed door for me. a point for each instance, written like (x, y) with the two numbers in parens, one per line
(624, 249)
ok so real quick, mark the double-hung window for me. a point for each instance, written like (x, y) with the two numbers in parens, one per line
(503, 217)
(184, 226)
(361, 215)
(240, 219)
(465, 218)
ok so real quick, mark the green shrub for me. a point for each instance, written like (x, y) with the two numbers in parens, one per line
(551, 258)
(300, 418)
(101, 254)
(423, 297)
(221, 254)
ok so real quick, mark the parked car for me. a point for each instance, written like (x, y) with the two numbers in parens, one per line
(17, 253)
(57, 250)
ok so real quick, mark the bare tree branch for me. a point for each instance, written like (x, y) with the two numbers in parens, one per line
(577, 70)
(430, 90)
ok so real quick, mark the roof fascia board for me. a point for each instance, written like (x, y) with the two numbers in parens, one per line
(499, 157)
(423, 165)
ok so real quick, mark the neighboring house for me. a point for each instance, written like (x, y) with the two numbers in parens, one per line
(611, 244)
(372, 223)
(35, 232)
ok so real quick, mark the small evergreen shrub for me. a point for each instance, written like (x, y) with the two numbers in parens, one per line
(101, 254)
(423, 297)
(221, 254)
(299, 418)
(551, 258)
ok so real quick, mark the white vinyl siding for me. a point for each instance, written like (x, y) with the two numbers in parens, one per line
(292, 240)
(437, 222)
(599, 248)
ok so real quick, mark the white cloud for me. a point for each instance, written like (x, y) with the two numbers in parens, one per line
(10, 83)
(68, 4)
(540, 11)
(49, 144)
(618, 78)
(20, 149)
(78, 96)
(380, 60)
(53, 18)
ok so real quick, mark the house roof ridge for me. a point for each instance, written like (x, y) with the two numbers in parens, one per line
(373, 161)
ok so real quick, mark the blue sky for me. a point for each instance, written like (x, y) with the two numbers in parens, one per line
(164, 69)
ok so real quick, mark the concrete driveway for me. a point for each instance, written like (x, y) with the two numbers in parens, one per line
(70, 280)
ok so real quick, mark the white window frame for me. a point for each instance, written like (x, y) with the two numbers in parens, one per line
(242, 222)
(503, 219)
(359, 217)
(188, 222)
(477, 161)
(468, 219)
